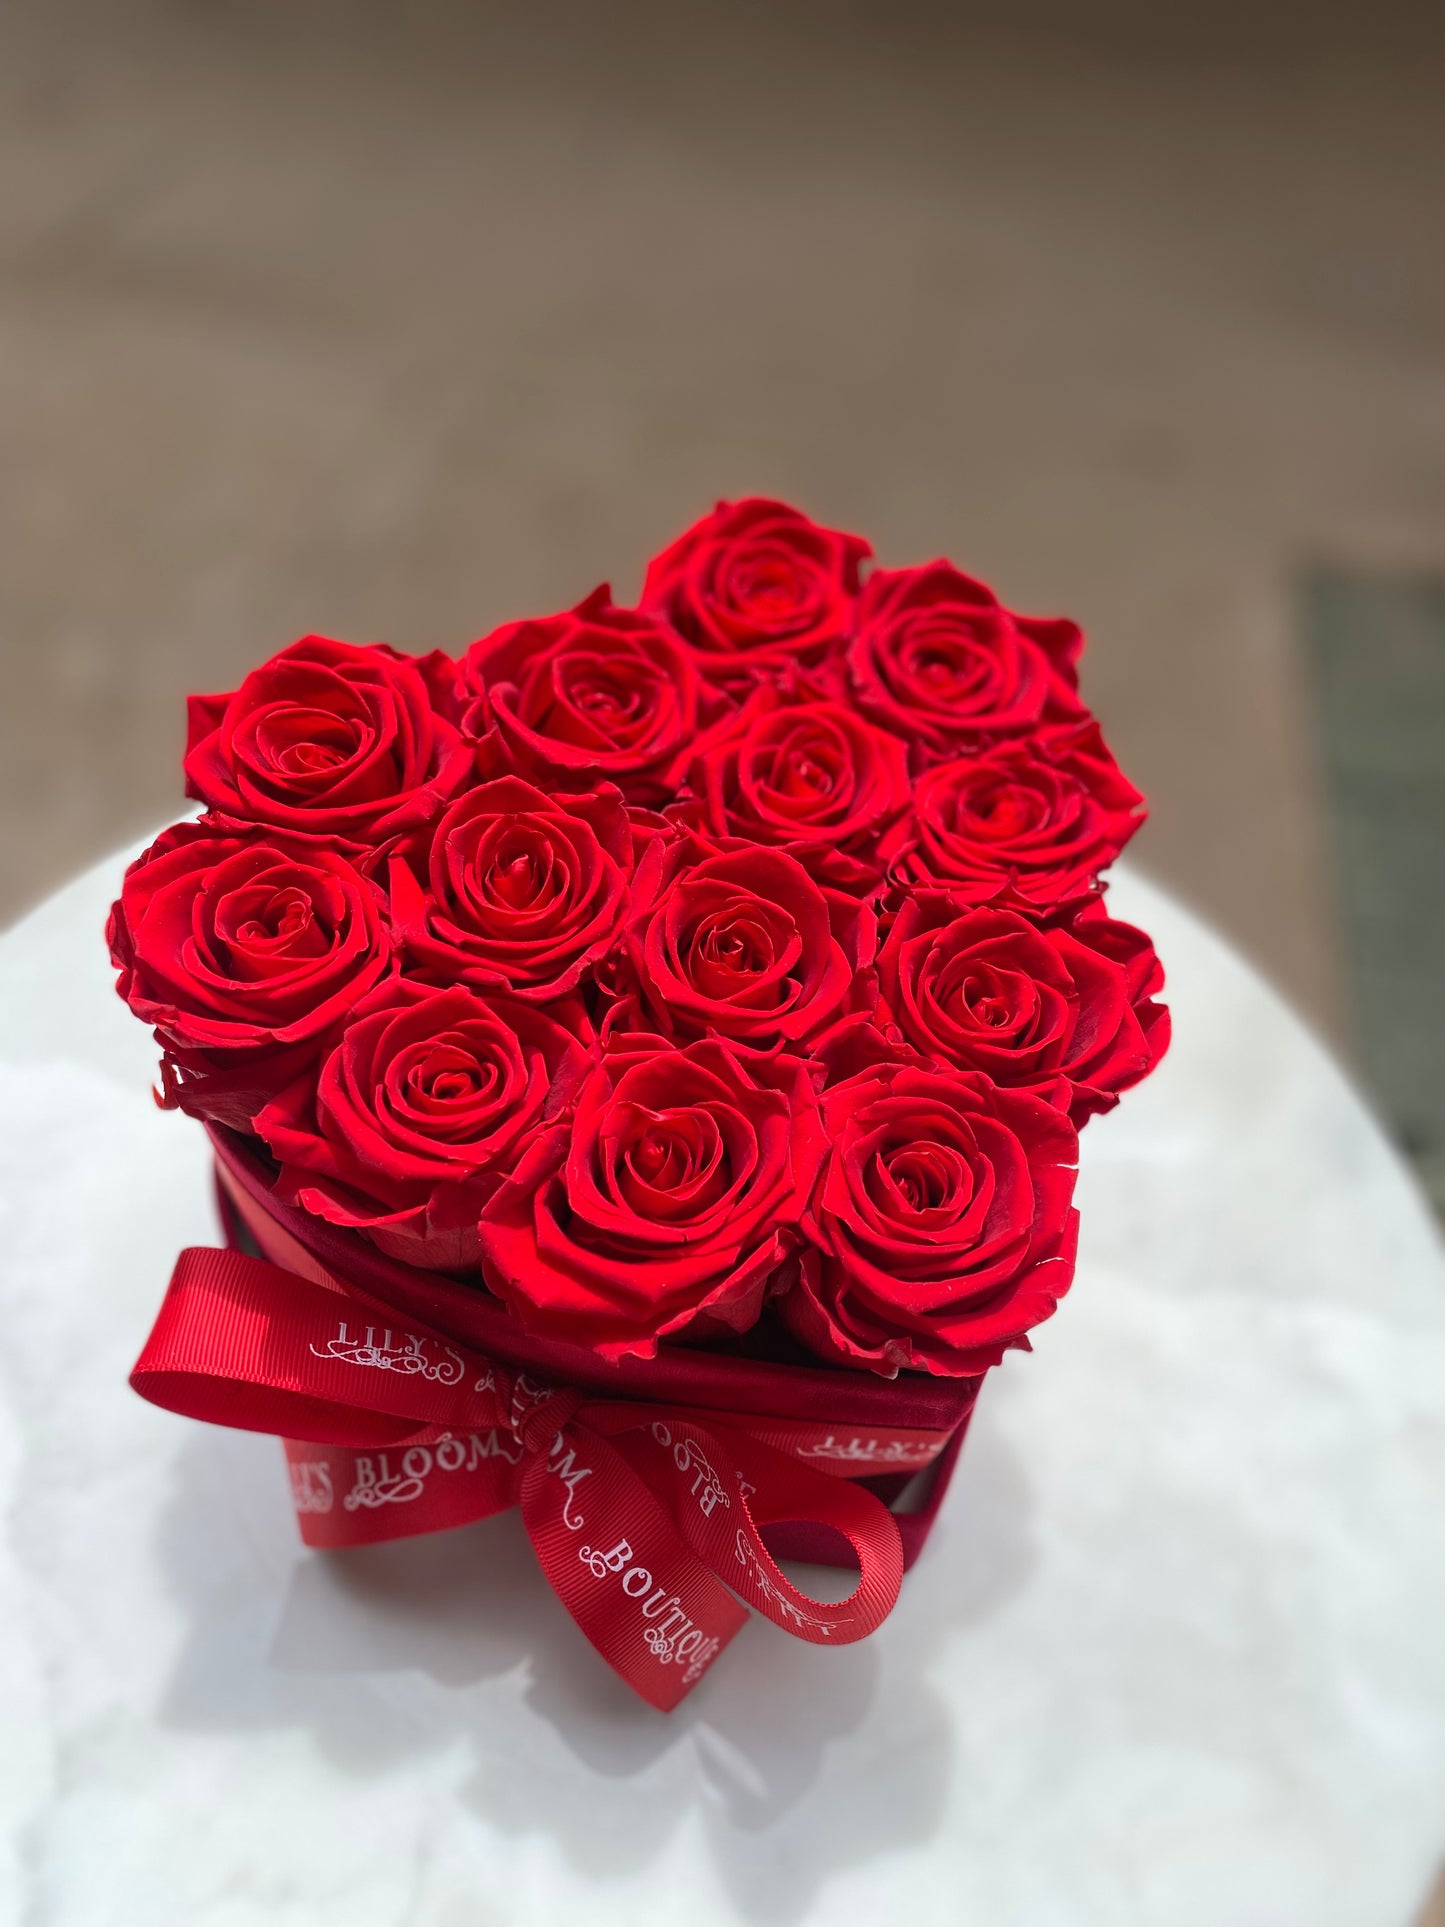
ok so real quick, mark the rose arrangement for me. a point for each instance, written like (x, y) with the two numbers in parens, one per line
(727, 975)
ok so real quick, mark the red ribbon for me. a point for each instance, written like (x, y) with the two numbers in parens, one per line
(645, 1521)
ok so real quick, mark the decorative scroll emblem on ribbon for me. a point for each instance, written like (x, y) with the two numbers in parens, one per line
(647, 1520)
(406, 1353)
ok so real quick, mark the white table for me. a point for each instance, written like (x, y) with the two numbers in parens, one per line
(1176, 1657)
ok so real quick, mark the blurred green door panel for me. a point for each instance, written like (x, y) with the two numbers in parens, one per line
(1377, 648)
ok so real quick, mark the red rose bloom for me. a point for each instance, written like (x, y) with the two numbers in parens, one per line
(669, 1208)
(332, 741)
(1036, 820)
(938, 660)
(418, 1113)
(1063, 1011)
(527, 890)
(598, 692)
(756, 586)
(246, 957)
(942, 1222)
(815, 779)
(746, 944)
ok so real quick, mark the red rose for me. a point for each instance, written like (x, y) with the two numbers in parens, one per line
(938, 660)
(756, 586)
(418, 1113)
(1036, 819)
(331, 741)
(527, 891)
(942, 1222)
(1061, 1011)
(245, 956)
(598, 693)
(815, 779)
(747, 945)
(670, 1207)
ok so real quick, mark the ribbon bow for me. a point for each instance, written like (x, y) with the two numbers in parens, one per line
(645, 1521)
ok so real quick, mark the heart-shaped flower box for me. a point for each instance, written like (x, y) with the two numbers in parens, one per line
(645, 1058)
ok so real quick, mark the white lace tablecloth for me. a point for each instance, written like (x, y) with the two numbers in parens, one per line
(1174, 1657)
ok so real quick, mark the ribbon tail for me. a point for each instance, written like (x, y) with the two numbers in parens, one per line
(615, 1559)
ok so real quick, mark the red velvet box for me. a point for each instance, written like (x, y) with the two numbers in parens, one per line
(857, 1406)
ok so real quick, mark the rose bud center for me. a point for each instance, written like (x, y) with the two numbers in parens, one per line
(940, 667)
(302, 741)
(265, 925)
(450, 1076)
(611, 705)
(928, 1178)
(772, 584)
(655, 1158)
(1007, 812)
(807, 768)
(998, 999)
(455, 1087)
(951, 664)
(809, 775)
(725, 948)
(518, 873)
(673, 1163)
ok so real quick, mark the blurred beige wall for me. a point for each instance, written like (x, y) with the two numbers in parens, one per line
(396, 322)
